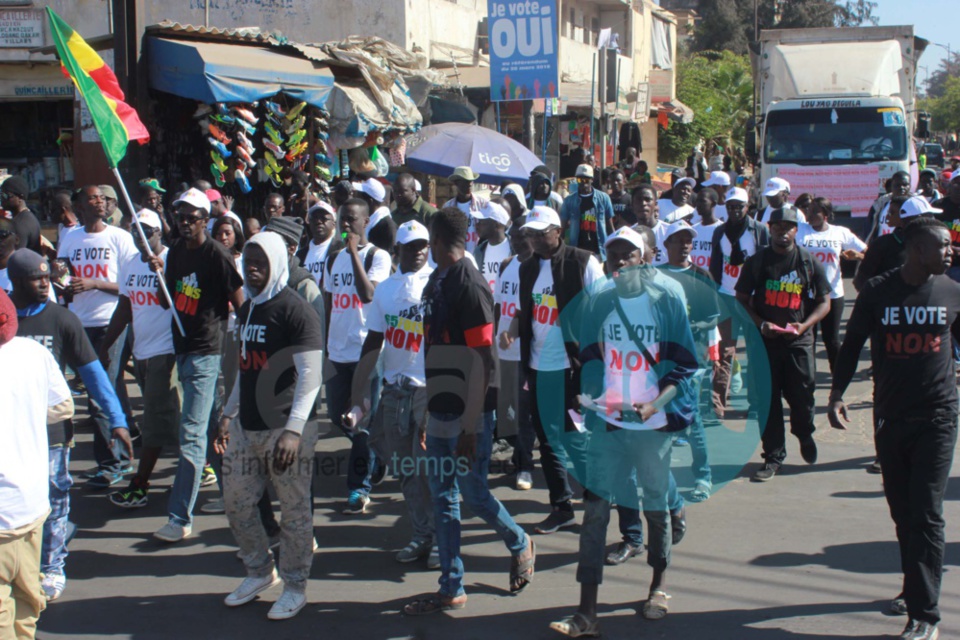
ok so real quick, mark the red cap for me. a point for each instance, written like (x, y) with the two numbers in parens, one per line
(212, 195)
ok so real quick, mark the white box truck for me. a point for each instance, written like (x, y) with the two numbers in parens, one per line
(836, 112)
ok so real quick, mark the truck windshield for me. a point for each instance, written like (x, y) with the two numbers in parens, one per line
(854, 135)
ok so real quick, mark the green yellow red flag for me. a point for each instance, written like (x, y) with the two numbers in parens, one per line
(115, 120)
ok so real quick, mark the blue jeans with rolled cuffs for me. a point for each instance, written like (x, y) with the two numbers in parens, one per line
(450, 476)
(53, 553)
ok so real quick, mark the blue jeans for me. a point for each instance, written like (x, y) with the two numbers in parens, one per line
(111, 456)
(363, 460)
(631, 527)
(448, 476)
(697, 438)
(615, 461)
(53, 553)
(198, 377)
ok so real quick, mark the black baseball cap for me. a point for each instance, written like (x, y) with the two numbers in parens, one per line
(784, 214)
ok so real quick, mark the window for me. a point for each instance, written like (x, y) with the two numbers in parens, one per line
(854, 135)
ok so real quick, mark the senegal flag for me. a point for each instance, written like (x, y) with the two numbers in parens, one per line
(116, 121)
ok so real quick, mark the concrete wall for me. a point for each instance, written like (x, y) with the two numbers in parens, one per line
(301, 20)
(88, 17)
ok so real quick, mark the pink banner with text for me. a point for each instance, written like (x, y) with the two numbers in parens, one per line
(847, 187)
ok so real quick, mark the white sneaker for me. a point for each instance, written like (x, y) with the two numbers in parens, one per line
(53, 585)
(288, 605)
(316, 547)
(250, 588)
(524, 481)
(172, 532)
(213, 507)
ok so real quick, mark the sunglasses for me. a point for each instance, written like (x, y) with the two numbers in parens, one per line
(188, 219)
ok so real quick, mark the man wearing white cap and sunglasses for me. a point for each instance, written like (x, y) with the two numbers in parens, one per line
(550, 282)
(202, 278)
(395, 324)
(777, 193)
(631, 414)
(678, 207)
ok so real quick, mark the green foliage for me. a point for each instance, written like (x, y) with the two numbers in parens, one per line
(719, 89)
(945, 109)
(728, 25)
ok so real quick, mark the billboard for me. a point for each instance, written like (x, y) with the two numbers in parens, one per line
(523, 49)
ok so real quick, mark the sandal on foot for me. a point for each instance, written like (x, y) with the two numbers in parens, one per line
(656, 607)
(521, 571)
(577, 626)
(434, 603)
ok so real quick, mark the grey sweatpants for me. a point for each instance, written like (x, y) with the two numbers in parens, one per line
(247, 467)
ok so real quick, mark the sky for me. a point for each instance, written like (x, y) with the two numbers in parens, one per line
(931, 19)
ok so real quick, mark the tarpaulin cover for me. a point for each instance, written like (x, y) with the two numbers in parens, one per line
(214, 72)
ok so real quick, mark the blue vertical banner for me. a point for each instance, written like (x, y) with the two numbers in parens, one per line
(523, 49)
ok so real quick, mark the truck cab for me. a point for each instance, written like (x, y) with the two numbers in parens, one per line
(837, 113)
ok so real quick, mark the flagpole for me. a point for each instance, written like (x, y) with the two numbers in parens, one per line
(143, 237)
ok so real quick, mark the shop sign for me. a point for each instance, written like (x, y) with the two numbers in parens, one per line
(523, 49)
(661, 85)
(21, 28)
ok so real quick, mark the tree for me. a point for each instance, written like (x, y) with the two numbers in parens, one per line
(728, 25)
(945, 109)
(719, 89)
(949, 68)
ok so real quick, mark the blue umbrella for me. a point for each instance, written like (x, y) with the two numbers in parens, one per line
(492, 155)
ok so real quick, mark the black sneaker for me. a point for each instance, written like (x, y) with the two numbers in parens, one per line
(678, 525)
(379, 474)
(624, 551)
(916, 630)
(808, 450)
(558, 519)
(875, 467)
(766, 472)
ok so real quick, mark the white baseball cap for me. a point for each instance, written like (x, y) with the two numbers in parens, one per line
(775, 186)
(194, 197)
(417, 185)
(517, 191)
(688, 180)
(584, 171)
(375, 218)
(718, 179)
(374, 188)
(738, 194)
(493, 211)
(541, 217)
(629, 235)
(411, 231)
(916, 206)
(322, 206)
(149, 218)
(678, 226)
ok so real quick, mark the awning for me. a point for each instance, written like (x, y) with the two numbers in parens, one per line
(675, 110)
(215, 72)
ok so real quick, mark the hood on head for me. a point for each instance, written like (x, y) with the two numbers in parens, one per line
(276, 250)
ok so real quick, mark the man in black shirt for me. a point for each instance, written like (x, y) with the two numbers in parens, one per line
(910, 314)
(950, 204)
(202, 279)
(62, 333)
(621, 200)
(785, 292)
(883, 252)
(13, 198)
(280, 338)
(458, 333)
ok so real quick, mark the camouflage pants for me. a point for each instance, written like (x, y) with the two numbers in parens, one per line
(247, 468)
